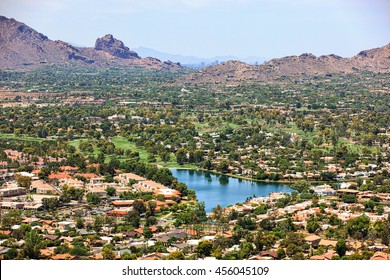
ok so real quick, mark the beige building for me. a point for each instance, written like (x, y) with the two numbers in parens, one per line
(12, 191)
(41, 187)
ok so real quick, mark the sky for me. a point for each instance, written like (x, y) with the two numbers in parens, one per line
(208, 28)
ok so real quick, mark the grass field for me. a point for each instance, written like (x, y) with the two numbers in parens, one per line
(119, 142)
(357, 148)
(122, 142)
(175, 165)
(202, 127)
(21, 138)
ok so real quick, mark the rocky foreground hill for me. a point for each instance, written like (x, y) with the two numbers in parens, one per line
(23, 47)
(234, 72)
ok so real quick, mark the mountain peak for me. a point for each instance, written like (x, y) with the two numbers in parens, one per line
(308, 55)
(23, 31)
(114, 47)
(23, 47)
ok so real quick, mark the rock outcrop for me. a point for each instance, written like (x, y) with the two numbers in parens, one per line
(115, 47)
(23, 47)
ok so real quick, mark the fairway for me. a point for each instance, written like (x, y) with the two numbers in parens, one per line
(21, 138)
(122, 142)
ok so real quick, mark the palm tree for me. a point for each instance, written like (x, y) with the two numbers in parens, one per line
(33, 244)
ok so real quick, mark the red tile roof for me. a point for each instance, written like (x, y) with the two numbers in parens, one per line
(62, 257)
(57, 176)
(380, 256)
(87, 175)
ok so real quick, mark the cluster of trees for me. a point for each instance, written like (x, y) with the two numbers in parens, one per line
(243, 137)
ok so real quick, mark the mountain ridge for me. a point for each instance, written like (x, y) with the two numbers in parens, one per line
(375, 60)
(23, 47)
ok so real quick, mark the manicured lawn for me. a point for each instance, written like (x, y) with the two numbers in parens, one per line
(119, 142)
(22, 137)
(122, 142)
(176, 165)
(202, 127)
(357, 148)
(75, 143)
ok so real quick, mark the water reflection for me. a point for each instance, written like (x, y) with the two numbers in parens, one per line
(224, 180)
(224, 190)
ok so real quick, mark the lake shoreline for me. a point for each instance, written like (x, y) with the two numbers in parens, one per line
(290, 182)
(217, 188)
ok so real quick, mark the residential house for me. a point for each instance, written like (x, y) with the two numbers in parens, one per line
(328, 243)
(70, 182)
(343, 192)
(313, 240)
(59, 176)
(326, 256)
(380, 256)
(12, 191)
(323, 190)
(41, 187)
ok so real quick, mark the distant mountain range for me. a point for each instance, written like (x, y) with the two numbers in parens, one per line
(23, 47)
(194, 61)
(236, 72)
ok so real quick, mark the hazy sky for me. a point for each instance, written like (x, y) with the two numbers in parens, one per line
(214, 27)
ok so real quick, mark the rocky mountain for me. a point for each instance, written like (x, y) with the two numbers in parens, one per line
(235, 72)
(374, 60)
(23, 47)
(115, 47)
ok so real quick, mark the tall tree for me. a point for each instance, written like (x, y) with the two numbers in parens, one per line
(151, 209)
(147, 233)
(312, 225)
(341, 247)
(33, 244)
(133, 218)
(181, 156)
